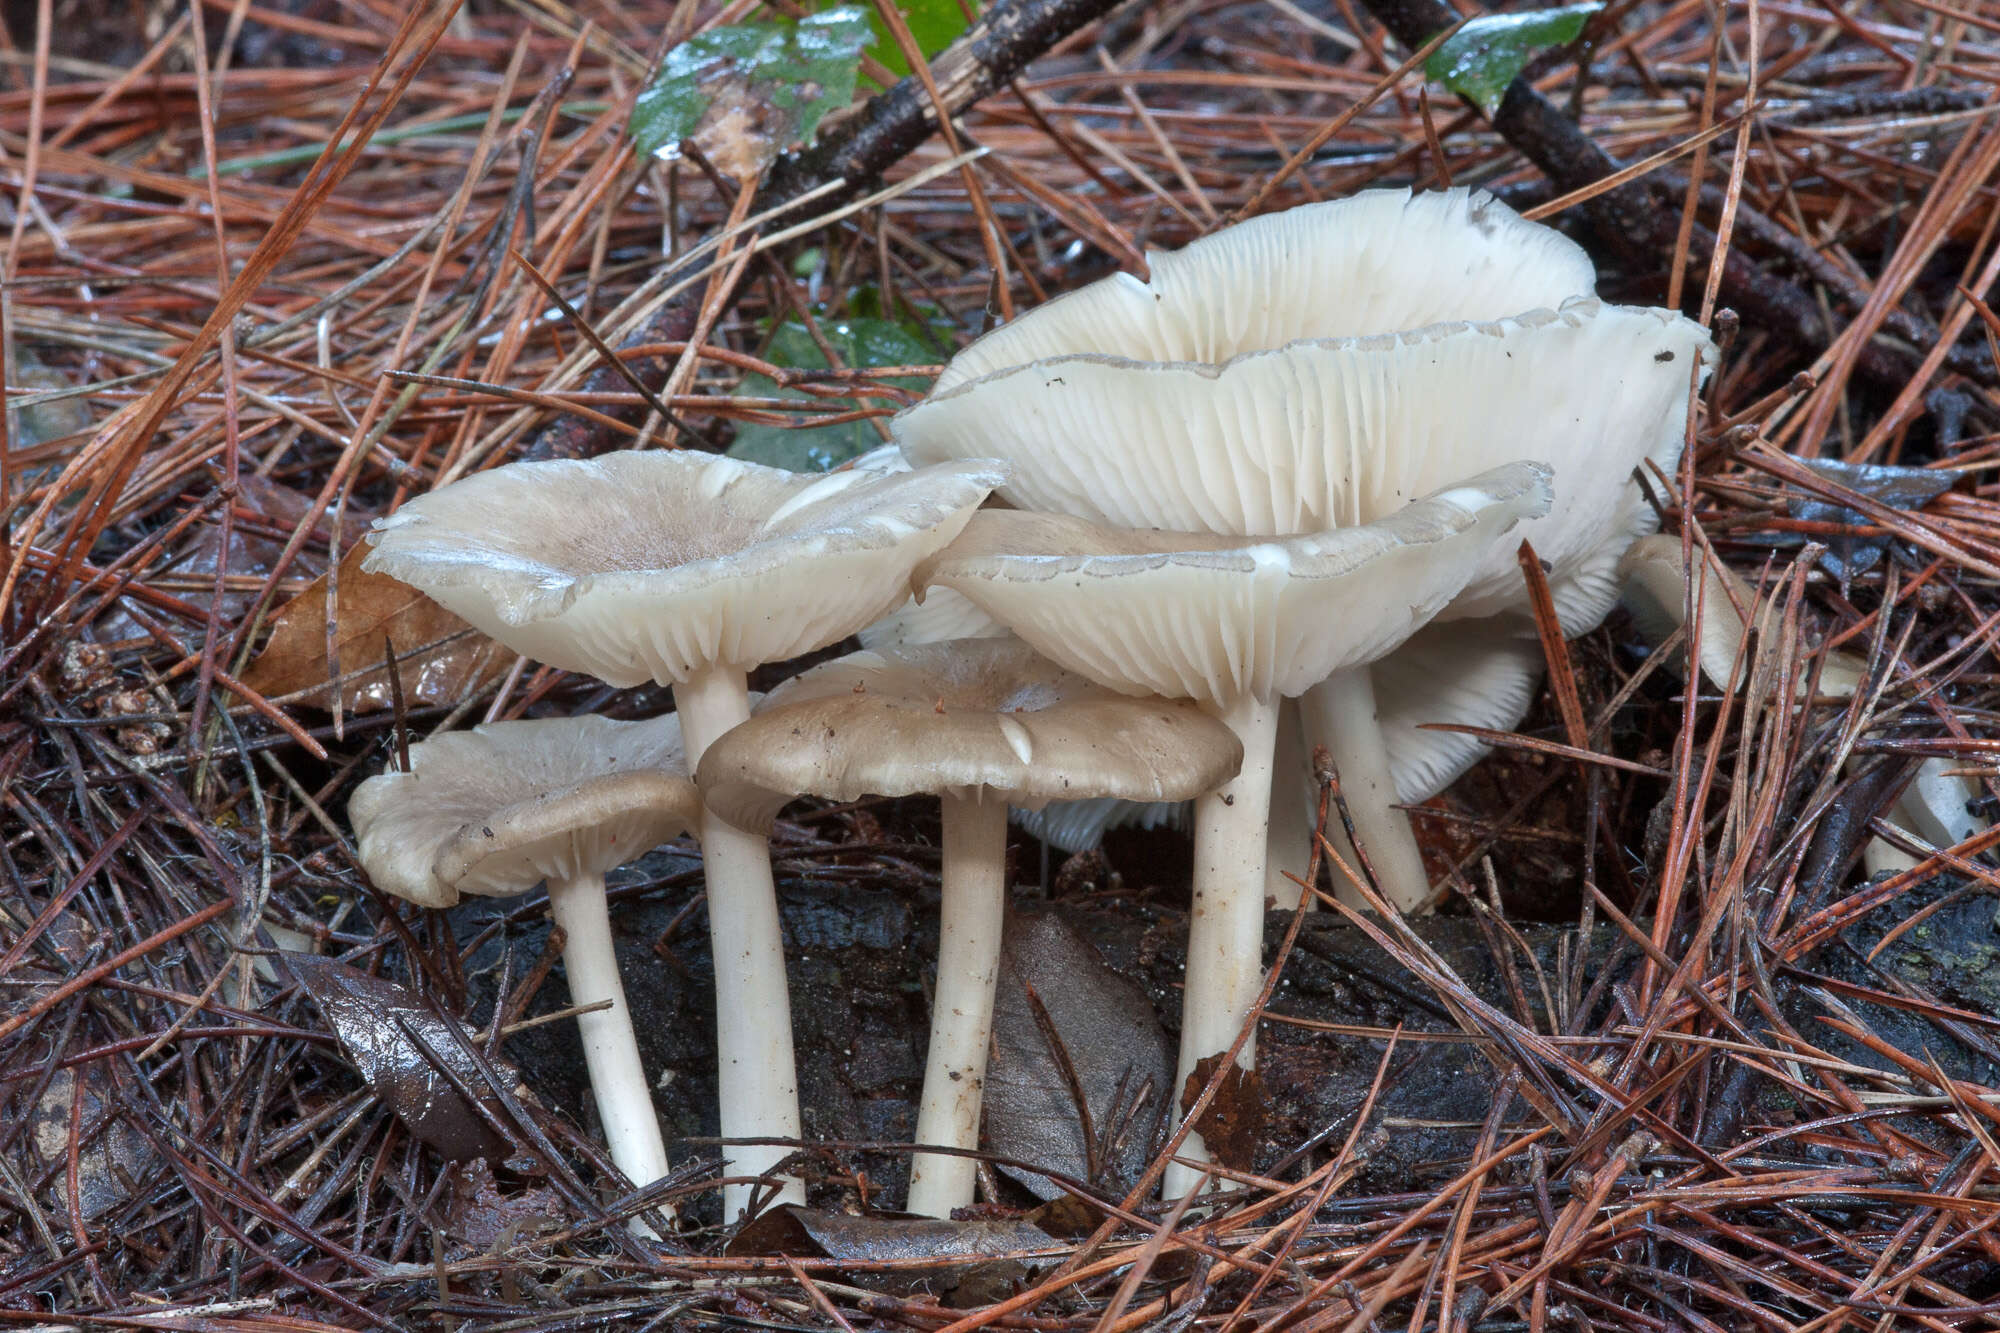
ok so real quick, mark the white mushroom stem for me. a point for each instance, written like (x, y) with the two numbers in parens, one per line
(1225, 964)
(975, 892)
(757, 1080)
(610, 1051)
(1340, 714)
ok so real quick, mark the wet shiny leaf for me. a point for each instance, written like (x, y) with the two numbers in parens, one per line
(933, 23)
(439, 657)
(114, 1155)
(397, 1044)
(861, 344)
(1234, 1121)
(494, 1219)
(1896, 487)
(1000, 1252)
(1484, 56)
(746, 92)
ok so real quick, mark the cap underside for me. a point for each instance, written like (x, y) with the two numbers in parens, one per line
(1327, 434)
(657, 566)
(1184, 619)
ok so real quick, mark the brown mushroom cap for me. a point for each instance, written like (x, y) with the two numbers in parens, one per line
(496, 810)
(971, 717)
(637, 567)
(1196, 615)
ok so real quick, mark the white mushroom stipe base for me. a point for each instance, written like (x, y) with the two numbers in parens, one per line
(969, 920)
(685, 569)
(1235, 626)
(981, 723)
(610, 1049)
(753, 1009)
(499, 809)
(1225, 947)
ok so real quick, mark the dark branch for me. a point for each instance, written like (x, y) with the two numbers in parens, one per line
(1639, 222)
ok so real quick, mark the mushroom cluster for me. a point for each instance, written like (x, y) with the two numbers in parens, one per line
(1403, 375)
(686, 570)
(1281, 468)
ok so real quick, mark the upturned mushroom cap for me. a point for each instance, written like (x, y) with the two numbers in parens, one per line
(637, 567)
(1383, 259)
(496, 810)
(974, 717)
(1335, 433)
(1195, 615)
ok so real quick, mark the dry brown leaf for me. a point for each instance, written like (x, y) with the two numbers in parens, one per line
(1067, 1026)
(1233, 1124)
(439, 657)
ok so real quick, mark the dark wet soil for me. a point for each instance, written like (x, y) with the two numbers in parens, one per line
(861, 960)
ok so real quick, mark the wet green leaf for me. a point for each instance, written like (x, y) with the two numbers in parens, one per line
(1484, 56)
(747, 92)
(861, 344)
(935, 24)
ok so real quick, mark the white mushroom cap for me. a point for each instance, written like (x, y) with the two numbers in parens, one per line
(1380, 260)
(1078, 826)
(1470, 673)
(882, 458)
(658, 566)
(1194, 615)
(496, 810)
(942, 615)
(1655, 591)
(981, 718)
(1335, 433)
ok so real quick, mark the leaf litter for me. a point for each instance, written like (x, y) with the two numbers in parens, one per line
(1807, 1051)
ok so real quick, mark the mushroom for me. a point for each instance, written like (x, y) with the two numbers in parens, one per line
(1935, 805)
(981, 723)
(1067, 826)
(1079, 826)
(1234, 625)
(688, 570)
(499, 809)
(940, 617)
(1336, 432)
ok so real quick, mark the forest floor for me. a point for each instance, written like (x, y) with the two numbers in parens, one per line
(1670, 1057)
